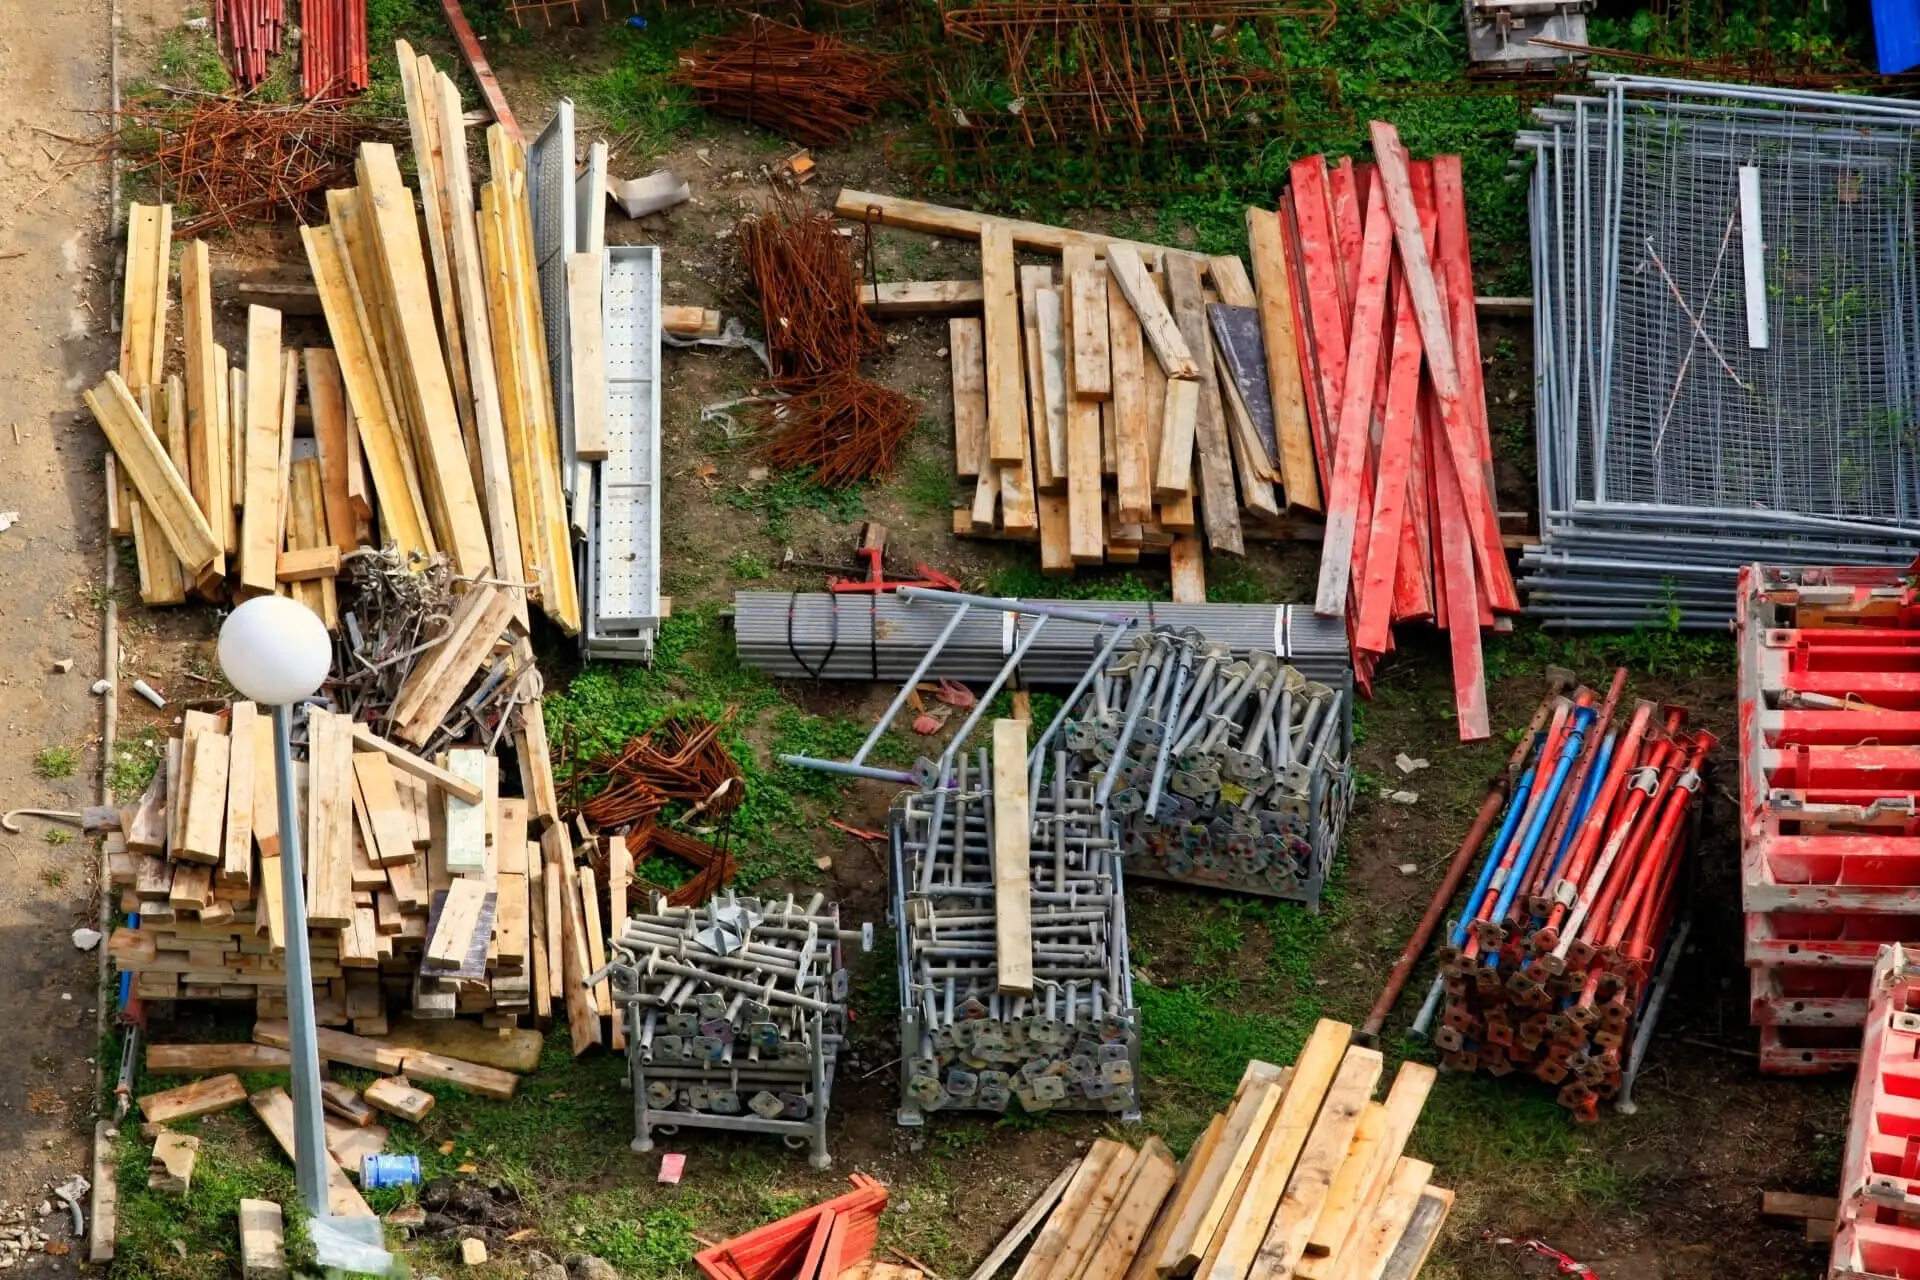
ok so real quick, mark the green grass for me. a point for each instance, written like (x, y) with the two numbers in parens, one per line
(57, 761)
(190, 59)
(135, 761)
(57, 836)
(744, 566)
(786, 494)
(635, 97)
(926, 484)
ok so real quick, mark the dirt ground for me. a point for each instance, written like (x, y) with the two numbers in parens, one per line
(1668, 1194)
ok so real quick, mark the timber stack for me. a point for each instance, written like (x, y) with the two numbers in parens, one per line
(403, 481)
(1304, 1175)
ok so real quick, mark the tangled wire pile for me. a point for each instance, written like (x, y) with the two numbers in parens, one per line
(222, 161)
(681, 760)
(815, 89)
(821, 413)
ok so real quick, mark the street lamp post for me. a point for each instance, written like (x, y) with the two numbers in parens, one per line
(275, 651)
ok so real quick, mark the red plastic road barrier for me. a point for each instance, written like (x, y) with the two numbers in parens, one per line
(779, 1250)
(1880, 1172)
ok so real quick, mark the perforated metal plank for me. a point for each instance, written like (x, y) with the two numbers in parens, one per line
(626, 539)
(551, 190)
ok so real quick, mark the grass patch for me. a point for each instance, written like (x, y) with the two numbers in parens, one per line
(59, 761)
(135, 761)
(926, 484)
(786, 494)
(58, 836)
(1025, 580)
(189, 59)
(636, 97)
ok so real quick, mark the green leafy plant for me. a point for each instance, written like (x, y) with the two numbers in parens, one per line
(58, 761)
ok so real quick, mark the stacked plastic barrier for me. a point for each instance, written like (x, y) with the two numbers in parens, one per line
(1829, 770)
(1571, 931)
(735, 1013)
(1878, 1234)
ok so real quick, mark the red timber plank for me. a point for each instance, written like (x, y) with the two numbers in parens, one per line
(1463, 606)
(1416, 543)
(1320, 266)
(476, 61)
(1349, 202)
(1351, 439)
(1429, 430)
(1477, 498)
(1317, 408)
(1377, 584)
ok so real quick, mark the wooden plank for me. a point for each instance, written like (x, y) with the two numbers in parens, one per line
(1091, 362)
(1240, 1236)
(201, 835)
(207, 451)
(619, 880)
(243, 741)
(1382, 1228)
(1000, 315)
(202, 1097)
(1188, 566)
(1012, 845)
(1133, 463)
(275, 1109)
(402, 518)
(445, 478)
(1375, 588)
(1040, 1260)
(425, 703)
(704, 322)
(1252, 469)
(1152, 1177)
(466, 823)
(1092, 1218)
(308, 564)
(103, 1223)
(1217, 1181)
(338, 1046)
(496, 485)
(1086, 526)
(1412, 1084)
(1050, 309)
(517, 409)
(1337, 551)
(153, 476)
(327, 397)
(266, 794)
(1018, 1232)
(1343, 1202)
(459, 918)
(1457, 420)
(391, 828)
(964, 224)
(510, 918)
(162, 578)
(968, 359)
(1792, 1204)
(901, 299)
(183, 1059)
(536, 765)
(1320, 1159)
(1171, 346)
(1422, 1232)
(1220, 506)
(586, 349)
(596, 938)
(1048, 472)
(341, 1101)
(350, 1143)
(1146, 1257)
(395, 1096)
(1292, 430)
(329, 834)
(261, 514)
(365, 739)
(583, 1024)
(1456, 567)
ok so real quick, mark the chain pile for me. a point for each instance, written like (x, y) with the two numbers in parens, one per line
(234, 160)
(816, 89)
(820, 411)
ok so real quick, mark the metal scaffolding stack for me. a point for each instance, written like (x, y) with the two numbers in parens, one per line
(1726, 298)
(1829, 762)
(735, 1014)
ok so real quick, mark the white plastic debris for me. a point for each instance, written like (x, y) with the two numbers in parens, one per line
(1409, 764)
(655, 193)
(8, 519)
(1408, 868)
(1403, 797)
(86, 939)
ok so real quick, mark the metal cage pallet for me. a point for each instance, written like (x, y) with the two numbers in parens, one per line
(1829, 765)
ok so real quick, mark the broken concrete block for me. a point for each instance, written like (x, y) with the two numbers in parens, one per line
(170, 1168)
(263, 1241)
(473, 1251)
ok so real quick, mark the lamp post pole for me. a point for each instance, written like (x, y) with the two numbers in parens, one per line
(310, 1134)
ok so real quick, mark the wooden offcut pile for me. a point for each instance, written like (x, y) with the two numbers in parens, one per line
(1302, 1176)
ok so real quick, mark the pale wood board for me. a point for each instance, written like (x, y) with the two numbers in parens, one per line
(1012, 860)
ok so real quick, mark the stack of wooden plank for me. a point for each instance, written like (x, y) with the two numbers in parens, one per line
(1378, 258)
(822, 1242)
(1119, 407)
(424, 884)
(1304, 1175)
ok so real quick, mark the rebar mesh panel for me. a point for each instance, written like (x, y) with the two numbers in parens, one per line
(1820, 421)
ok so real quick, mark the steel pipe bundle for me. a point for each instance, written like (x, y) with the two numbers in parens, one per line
(1829, 763)
(249, 32)
(1553, 959)
(735, 1013)
(820, 635)
(333, 48)
(1721, 327)
(1233, 771)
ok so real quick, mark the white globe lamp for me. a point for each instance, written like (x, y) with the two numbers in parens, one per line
(275, 650)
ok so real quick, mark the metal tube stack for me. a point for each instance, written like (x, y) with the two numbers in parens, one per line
(1234, 771)
(1074, 1044)
(250, 31)
(1717, 330)
(333, 48)
(735, 1013)
(1554, 957)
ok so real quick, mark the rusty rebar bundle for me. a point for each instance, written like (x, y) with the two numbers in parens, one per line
(222, 161)
(815, 89)
(819, 411)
